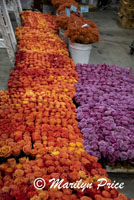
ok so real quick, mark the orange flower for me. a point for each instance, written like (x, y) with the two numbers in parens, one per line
(63, 6)
(11, 162)
(78, 34)
(5, 151)
(85, 198)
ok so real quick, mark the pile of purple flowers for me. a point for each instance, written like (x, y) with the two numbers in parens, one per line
(106, 112)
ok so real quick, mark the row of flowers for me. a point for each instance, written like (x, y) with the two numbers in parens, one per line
(37, 20)
(105, 95)
(37, 118)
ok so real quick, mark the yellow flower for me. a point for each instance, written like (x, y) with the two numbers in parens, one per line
(82, 174)
(79, 144)
(71, 148)
(19, 166)
(66, 90)
(72, 144)
(81, 150)
(55, 153)
(38, 156)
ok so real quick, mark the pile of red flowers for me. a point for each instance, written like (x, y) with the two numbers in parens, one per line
(38, 125)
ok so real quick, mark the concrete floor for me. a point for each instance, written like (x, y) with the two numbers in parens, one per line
(115, 40)
(127, 179)
(113, 49)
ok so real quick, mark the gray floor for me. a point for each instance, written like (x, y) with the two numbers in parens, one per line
(113, 49)
(115, 40)
(128, 180)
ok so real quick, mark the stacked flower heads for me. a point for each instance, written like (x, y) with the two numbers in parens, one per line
(43, 39)
(105, 95)
(38, 127)
(38, 20)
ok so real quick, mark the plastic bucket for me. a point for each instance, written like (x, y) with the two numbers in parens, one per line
(80, 52)
(47, 9)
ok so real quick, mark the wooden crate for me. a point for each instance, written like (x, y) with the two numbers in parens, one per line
(126, 4)
(129, 13)
(126, 22)
(92, 7)
(130, 1)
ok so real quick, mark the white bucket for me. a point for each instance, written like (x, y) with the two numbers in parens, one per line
(80, 52)
(47, 9)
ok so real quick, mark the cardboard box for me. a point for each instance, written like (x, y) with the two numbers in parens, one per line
(127, 4)
(129, 13)
(126, 22)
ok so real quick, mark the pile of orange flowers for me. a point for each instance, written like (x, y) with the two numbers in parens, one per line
(51, 21)
(80, 34)
(38, 126)
(79, 29)
(38, 20)
(44, 42)
(62, 7)
(57, 3)
(63, 20)
(39, 34)
(26, 33)
(48, 46)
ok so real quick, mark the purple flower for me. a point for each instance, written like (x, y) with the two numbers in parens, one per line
(82, 124)
(96, 154)
(116, 146)
(80, 116)
(105, 132)
(94, 147)
(85, 142)
(110, 150)
(130, 154)
(123, 155)
(124, 146)
(106, 95)
(102, 143)
(86, 130)
(132, 139)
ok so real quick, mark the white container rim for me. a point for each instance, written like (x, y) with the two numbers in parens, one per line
(80, 46)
